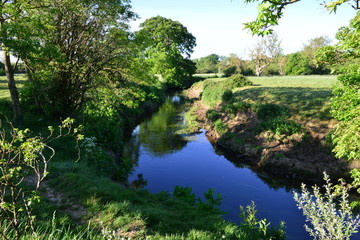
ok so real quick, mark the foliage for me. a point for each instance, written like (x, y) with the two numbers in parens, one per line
(345, 105)
(280, 126)
(213, 115)
(228, 71)
(208, 64)
(186, 195)
(298, 64)
(237, 81)
(270, 111)
(327, 220)
(258, 229)
(167, 46)
(220, 127)
(23, 156)
(269, 13)
(266, 51)
(94, 38)
(273, 119)
(227, 96)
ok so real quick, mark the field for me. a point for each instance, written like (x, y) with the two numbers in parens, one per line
(306, 96)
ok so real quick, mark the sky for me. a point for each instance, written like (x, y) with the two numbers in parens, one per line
(218, 24)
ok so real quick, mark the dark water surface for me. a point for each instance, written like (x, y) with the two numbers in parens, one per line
(165, 160)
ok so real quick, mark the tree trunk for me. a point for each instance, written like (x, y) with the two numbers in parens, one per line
(12, 87)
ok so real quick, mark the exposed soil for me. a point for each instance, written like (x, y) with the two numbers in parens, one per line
(59, 199)
(300, 156)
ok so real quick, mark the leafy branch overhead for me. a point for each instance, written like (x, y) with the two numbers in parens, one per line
(270, 11)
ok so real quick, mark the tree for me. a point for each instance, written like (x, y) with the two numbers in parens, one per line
(270, 11)
(265, 52)
(310, 49)
(10, 15)
(167, 46)
(208, 64)
(81, 44)
(297, 64)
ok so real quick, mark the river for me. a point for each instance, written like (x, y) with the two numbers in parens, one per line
(165, 160)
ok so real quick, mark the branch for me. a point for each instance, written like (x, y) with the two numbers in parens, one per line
(283, 3)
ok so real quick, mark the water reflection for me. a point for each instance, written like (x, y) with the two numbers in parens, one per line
(163, 160)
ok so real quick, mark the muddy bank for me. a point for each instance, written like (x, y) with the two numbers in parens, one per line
(302, 156)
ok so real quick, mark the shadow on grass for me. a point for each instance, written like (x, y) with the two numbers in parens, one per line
(305, 102)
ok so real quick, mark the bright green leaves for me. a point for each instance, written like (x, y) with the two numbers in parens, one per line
(23, 156)
(167, 46)
(270, 11)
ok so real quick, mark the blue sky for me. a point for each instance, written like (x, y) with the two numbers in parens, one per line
(218, 24)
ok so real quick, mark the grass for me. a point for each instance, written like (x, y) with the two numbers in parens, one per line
(306, 96)
(4, 90)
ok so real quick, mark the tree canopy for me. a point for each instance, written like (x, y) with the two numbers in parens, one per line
(167, 46)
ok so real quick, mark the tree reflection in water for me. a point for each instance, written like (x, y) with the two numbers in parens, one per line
(157, 134)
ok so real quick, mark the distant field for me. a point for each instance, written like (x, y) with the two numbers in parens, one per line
(4, 91)
(312, 81)
(306, 96)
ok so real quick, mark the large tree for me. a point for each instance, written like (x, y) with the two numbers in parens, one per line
(167, 46)
(208, 64)
(80, 44)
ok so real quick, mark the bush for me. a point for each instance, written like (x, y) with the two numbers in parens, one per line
(327, 221)
(220, 127)
(241, 106)
(212, 115)
(345, 107)
(298, 64)
(229, 71)
(280, 126)
(237, 81)
(271, 111)
(227, 96)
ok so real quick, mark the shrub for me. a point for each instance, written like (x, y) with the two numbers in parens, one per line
(227, 96)
(220, 127)
(236, 81)
(298, 64)
(228, 71)
(327, 221)
(280, 126)
(345, 107)
(212, 115)
(241, 106)
(271, 111)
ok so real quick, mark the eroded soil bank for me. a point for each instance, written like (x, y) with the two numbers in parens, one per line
(303, 156)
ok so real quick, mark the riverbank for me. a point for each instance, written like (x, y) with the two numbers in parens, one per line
(86, 198)
(279, 125)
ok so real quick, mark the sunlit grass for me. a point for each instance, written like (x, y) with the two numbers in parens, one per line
(4, 90)
(306, 96)
(311, 81)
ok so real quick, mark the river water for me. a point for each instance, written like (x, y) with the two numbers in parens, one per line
(163, 160)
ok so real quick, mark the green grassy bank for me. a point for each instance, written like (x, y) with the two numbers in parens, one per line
(280, 122)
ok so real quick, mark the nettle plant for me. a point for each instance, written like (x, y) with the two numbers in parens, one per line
(24, 158)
